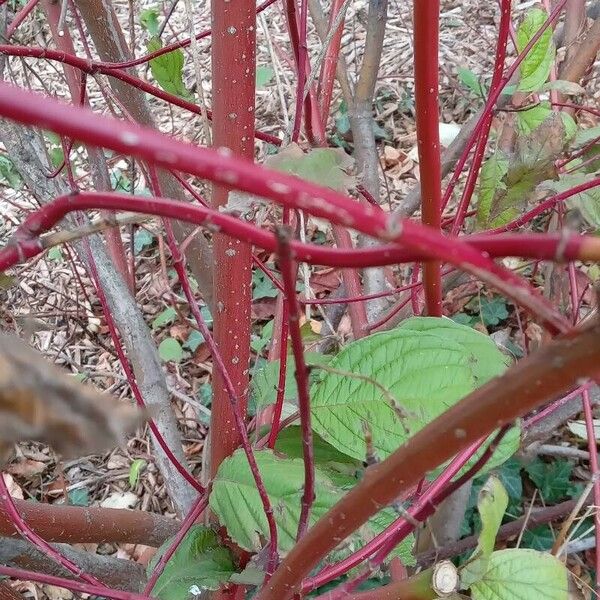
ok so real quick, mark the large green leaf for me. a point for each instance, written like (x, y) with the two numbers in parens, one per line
(199, 563)
(522, 575)
(168, 69)
(535, 68)
(325, 166)
(491, 504)
(236, 502)
(289, 442)
(426, 365)
(489, 361)
(263, 386)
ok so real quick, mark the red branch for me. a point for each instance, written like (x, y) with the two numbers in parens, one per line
(426, 45)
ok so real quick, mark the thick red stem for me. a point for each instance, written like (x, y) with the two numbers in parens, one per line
(426, 44)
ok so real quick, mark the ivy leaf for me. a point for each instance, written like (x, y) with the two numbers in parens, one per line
(259, 342)
(193, 341)
(198, 564)
(170, 349)
(538, 62)
(168, 69)
(142, 239)
(491, 504)
(262, 286)
(552, 479)
(79, 497)
(540, 538)
(493, 311)
(166, 317)
(471, 82)
(427, 371)
(522, 575)
(264, 76)
(235, 500)
(510, 476)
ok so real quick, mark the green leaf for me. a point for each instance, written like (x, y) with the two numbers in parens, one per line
(198, 564)
(493, 311)
(262, 286)
(263, 386)
(471, 82)
(568, 88)
(491, 177)
(168, 69)
(570, 126)
(491, 504)
(325, 166)
(553, 479)
(536, 66)
(259, 342)
(522, 575)
(9, 173)
(149, 20)
(79, 497)
(235, 500)
(510, 476)
(170, 349)
(289, 442)
(166, 317)
(587, 202)
(490, 361)
(540, 538)
(586, 136)
(264, 76)
(137, 466)
(55, 254)
(193, 341)
(530, 119)
(427, 372)
(141, 240)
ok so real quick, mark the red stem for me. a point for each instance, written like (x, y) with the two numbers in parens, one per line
(170, 47)
(233, 68)
(284, 236)
(329, 65)
(187, 523)
(504, 28)
(20, 17)
(233, 398)
(93, 67)
(493, 97)
(426, 47)
(31, 536)
(85, 588)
